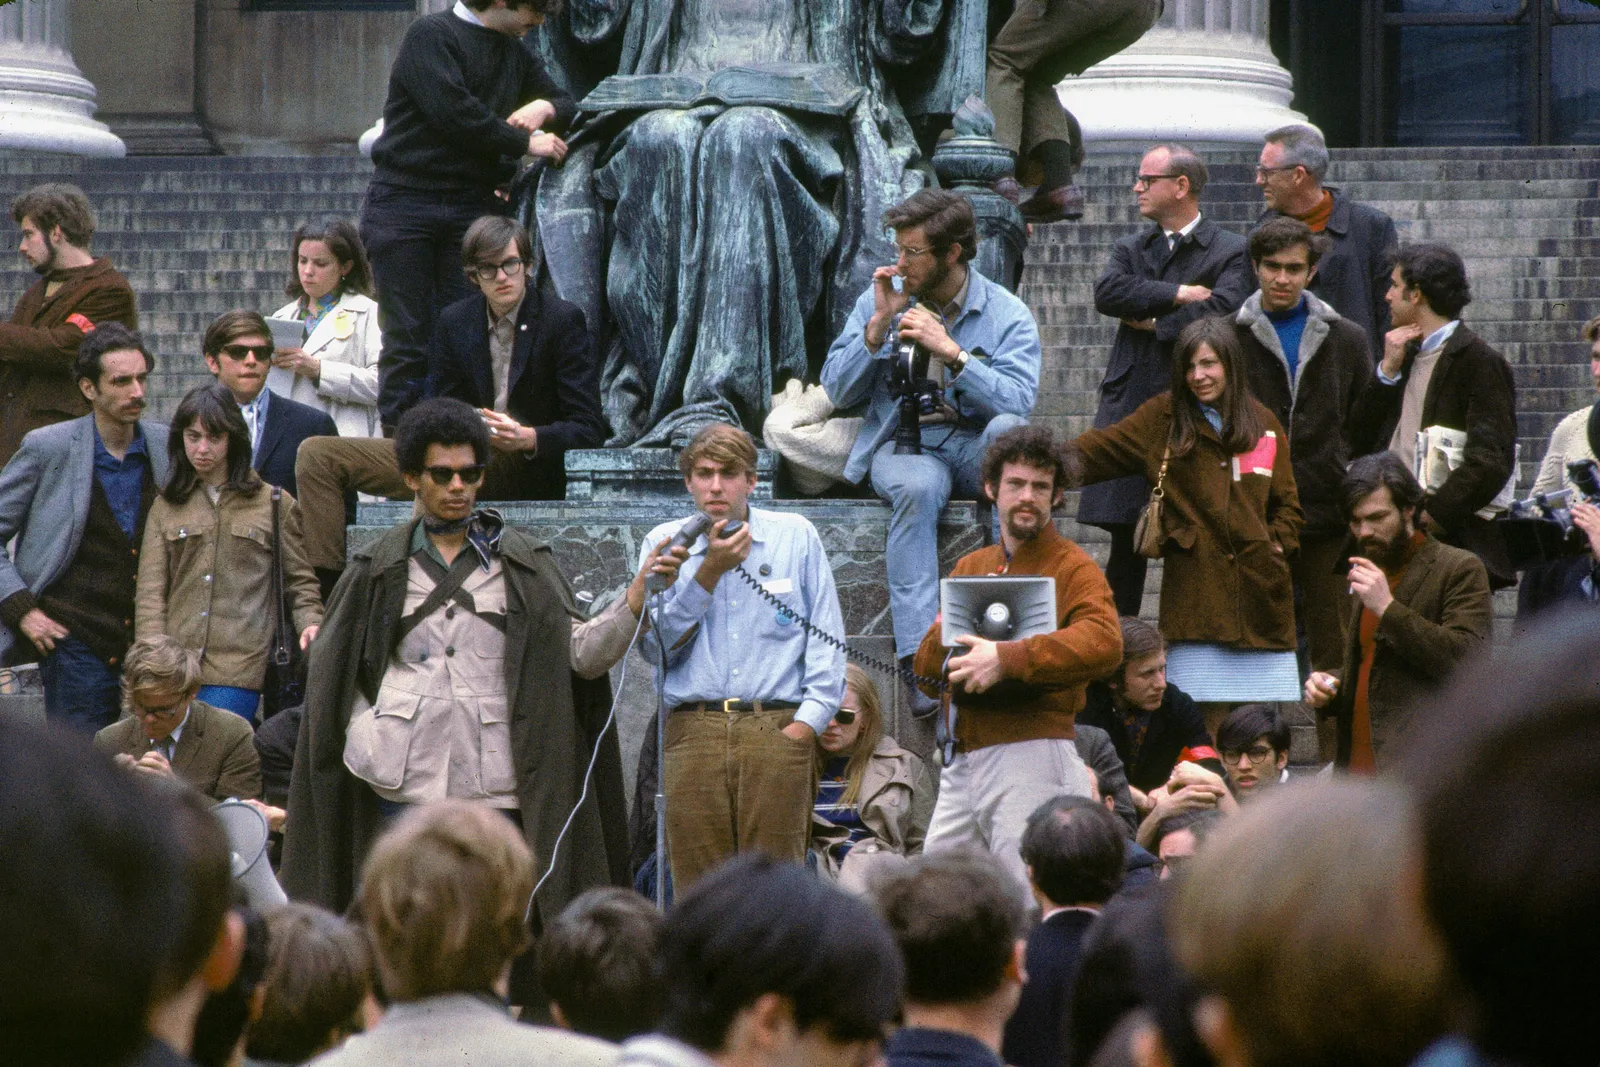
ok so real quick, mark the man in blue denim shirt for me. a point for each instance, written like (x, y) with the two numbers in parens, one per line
(984, 352)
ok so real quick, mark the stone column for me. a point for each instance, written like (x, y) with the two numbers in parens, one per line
(46, 103)
(1204, 74)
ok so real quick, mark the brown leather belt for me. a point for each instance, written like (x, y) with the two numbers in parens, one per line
(732, 705)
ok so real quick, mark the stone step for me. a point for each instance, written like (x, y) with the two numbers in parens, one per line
(1485, 274)
(14, 161)
(1345, 172)
(1563, 226)
(1476, 152)
(1403, 211)
(224, 183)
(1557, 338)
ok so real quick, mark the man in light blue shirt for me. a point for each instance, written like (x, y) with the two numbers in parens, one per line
(983, 350)
(748, 688)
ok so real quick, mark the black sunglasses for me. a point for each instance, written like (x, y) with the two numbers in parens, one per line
(241, 352)
(845, 716)
(444, 475)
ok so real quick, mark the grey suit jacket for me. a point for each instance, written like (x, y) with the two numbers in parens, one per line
(462, 1030)
(216, 752)
(44, 502)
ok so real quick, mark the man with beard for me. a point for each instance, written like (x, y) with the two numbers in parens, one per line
(75, 292)
(1423, 608)
(983, 351)
(1018, 700)
(75, 497)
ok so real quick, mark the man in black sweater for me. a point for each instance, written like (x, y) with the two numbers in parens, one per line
(466, 102)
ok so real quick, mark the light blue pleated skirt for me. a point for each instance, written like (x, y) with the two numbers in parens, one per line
(1217, 673)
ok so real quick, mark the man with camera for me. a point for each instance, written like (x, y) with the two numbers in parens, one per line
(1422, 608)
(974, 358)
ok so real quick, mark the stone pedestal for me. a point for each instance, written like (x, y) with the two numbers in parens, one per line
(611, 475)
(46, 104)
(1204, 74)
(597, 545)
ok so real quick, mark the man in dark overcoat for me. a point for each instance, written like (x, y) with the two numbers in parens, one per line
(1183, 268)
(385, 684)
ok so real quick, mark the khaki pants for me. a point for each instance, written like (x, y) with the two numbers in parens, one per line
(326, 468)
(1042, 42)
(986, 796)
(735, 783)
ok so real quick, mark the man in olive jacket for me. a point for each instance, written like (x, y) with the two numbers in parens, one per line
(556, 717)
(1422, 609)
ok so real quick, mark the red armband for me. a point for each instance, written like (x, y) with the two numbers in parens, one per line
(1196, 753)
(81, 322)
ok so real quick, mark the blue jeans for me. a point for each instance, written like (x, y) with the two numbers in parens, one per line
(81, 690)
(917, 488)
(242, 702)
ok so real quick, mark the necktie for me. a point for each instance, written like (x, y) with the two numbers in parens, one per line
(1173, 237)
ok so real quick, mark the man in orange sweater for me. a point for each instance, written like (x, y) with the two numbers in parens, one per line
(1017, 700)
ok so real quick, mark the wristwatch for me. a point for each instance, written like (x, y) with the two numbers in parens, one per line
(961, 360)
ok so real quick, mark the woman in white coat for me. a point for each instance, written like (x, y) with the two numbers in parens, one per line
(335, 368)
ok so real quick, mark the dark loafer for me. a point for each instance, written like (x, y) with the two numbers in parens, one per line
(1054, 205)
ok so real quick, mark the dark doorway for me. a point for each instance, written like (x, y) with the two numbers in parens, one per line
(1480, 72)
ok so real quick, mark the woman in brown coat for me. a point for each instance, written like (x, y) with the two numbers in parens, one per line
(205, 568)
(1229, 520)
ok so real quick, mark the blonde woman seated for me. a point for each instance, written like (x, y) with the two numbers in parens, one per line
(874, 798)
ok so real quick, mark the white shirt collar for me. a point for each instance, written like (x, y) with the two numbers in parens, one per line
(1178, 235)
(466, 14)
(1440, 336)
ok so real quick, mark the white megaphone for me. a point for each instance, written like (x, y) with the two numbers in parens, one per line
(997, 607)
(247, 834)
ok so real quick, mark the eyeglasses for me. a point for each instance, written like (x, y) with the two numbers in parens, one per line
(845, 716)
(1255, 754)
(145, 711)
(1145, 181)
(244, 352)
(904, 252)
(488, 272)
(1262, 172)
(445, 475)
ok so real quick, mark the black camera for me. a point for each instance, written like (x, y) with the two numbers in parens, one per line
(1541, 527)
(914, 392)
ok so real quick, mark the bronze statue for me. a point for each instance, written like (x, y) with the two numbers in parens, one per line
(719, 211)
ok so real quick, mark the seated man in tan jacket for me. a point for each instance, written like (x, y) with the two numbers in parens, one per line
(168, 732)
(1017, 702)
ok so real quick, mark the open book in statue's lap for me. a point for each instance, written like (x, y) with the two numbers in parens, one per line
(719, 211)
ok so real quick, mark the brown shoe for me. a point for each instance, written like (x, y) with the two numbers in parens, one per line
(1054, 205)
(1009, 188)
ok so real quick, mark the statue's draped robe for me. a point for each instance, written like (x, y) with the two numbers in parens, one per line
(715, 250)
